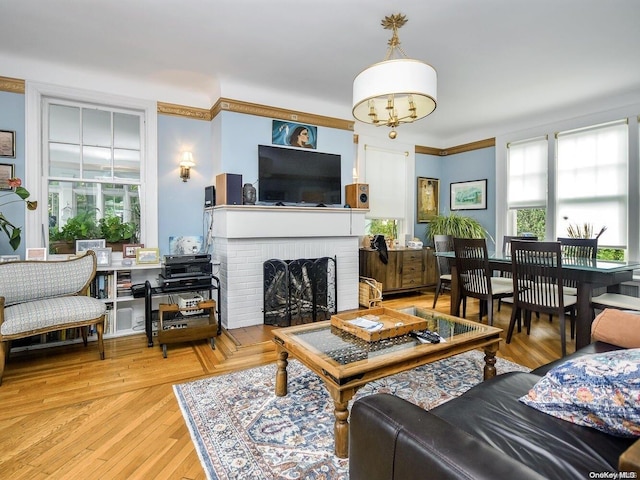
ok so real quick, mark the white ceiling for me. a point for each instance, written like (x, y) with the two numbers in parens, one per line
(501, 63)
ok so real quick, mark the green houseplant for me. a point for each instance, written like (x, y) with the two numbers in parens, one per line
(114, 230)
(455, 225)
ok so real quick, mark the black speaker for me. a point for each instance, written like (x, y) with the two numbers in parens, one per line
(357, 195)
(210, 196)
(229, 189)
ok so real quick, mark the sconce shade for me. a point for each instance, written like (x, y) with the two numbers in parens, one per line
(187, 160)
(185, 165)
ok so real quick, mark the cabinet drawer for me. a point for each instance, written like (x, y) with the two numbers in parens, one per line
(412, 257)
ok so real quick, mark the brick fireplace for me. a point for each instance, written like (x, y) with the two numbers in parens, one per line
(247, 236)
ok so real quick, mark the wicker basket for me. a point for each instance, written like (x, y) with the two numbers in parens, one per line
(370, 292)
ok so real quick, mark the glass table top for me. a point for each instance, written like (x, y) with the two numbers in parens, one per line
(345, 348)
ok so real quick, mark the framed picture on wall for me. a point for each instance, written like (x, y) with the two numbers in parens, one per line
(469, 195)
(6, 172)
(428, 195)
(7, 144)
(294, 134)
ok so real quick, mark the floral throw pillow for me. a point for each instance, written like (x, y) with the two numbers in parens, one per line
(601, 391)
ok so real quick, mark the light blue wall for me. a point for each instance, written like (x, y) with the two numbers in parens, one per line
(181, 204)
(12, 117)
(241, 135)
(462, 167)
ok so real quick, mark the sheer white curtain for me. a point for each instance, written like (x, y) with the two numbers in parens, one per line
(592, 181)
(386, 174)
(527, 174)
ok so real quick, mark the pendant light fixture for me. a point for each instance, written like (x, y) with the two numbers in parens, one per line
(396, 90)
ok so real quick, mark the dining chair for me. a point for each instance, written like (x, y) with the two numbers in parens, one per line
(474, 276)
(538, 286)
(506, 250)
(442, 243)
(577, 248)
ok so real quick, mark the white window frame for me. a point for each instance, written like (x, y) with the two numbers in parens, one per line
(406, 223)
(36, 178)
(633, 215)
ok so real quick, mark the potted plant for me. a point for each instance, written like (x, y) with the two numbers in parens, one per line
(82, 226)
(115, 231)
(457, 226)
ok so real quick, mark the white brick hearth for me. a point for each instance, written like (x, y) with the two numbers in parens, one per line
(246, 236)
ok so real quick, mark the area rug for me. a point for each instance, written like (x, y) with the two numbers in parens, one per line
(241, 430)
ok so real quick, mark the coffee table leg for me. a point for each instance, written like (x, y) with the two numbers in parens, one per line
(341, 429)
(281, 374)
(490, 360)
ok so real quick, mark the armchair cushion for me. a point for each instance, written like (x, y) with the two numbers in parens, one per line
(601, 391)
(45, 314)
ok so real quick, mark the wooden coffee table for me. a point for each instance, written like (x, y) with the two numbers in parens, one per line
(345, 362)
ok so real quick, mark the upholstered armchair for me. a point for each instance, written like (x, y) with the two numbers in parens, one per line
(41, 297)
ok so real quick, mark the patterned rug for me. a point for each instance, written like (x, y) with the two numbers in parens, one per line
(241, 430)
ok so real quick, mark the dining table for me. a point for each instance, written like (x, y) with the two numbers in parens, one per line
(588, 273)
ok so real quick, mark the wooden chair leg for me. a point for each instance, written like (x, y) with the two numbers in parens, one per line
(515, 315)
(438, 287)
(4, 348)
(100, 332)
(563, 335)
(85, 335)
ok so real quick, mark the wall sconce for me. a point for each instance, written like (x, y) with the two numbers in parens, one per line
(185, 165)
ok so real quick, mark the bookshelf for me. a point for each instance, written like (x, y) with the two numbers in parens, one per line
(126, 310)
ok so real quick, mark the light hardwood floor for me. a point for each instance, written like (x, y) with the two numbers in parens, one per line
(64, 414)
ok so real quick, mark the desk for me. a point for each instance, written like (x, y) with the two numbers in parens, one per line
(587, 272)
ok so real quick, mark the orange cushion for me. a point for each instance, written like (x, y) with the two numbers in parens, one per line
(617, 327)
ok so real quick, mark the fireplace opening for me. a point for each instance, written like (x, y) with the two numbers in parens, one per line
(299, 291)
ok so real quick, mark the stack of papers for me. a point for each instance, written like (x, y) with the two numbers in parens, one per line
(368, 325)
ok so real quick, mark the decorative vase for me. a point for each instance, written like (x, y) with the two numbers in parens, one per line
(248, 194)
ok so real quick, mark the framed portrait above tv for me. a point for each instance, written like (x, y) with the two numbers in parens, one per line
(469, 195)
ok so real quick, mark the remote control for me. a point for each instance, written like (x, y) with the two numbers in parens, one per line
(426, 336)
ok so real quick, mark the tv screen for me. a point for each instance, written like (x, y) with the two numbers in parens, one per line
(289, 175)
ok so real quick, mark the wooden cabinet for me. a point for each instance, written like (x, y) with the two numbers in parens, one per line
(407, 269)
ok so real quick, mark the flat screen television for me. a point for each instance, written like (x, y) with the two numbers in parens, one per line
(293, 176)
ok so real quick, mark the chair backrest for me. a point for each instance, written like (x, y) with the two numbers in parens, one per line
(579, 247)
(443, 243)
(36, 280)
(506, 241)
(472, 265)
(537, 276)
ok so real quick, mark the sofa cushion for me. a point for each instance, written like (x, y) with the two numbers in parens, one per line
(601, 391)
(554, 448)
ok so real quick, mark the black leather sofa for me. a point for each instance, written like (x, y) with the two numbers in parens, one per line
(485, 433)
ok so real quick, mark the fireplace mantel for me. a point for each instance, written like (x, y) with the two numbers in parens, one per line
(261, 221)
(246, 236)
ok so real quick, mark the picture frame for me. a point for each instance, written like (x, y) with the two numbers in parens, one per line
(147, 255)
(7, 144)
(6, 172)
(471, 195)
(186, 244)
(129, 249)
(9, 258)
(39, 254)
(427, 199)
(282, 133)
(103, 256)
(84, 245)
